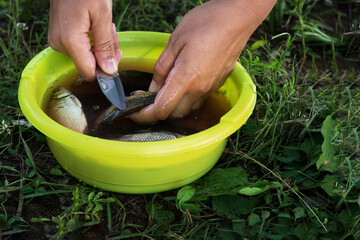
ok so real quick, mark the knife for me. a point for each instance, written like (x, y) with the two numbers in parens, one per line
(112, 88)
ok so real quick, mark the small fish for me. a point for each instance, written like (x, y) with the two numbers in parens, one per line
(134, 103)
(66, 109)
(149, 136)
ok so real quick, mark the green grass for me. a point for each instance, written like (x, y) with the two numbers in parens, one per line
(291, 172)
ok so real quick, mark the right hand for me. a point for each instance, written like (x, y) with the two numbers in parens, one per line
(69, 25)
(200, 55)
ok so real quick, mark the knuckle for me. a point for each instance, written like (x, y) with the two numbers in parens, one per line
(172, 40)
(105, 46)
(176, 43)
(177, 38)
(195, 82)
(203, 89)
(66, 41)
(191, 75)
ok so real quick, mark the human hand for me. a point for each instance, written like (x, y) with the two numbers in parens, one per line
(200, 55)
(69, 25)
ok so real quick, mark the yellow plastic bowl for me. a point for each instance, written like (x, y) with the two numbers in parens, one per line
(130, 167)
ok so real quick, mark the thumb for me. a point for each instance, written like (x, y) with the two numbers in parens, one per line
(104, 48)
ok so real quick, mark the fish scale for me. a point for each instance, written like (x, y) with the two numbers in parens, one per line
(66, 109)
(149, 137)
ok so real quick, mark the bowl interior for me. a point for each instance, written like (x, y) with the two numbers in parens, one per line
(140, 52)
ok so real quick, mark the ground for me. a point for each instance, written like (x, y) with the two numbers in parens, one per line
(291, 172)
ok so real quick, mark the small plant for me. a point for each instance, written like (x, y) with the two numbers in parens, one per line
(85, 211)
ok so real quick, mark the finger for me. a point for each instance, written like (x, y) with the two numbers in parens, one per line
(118, 52)
(184, 106)
(164, 64)
(187, 104)
(79, 49)
(118, 55)
(115, 37)
(166, 100)
(104, 41)
(71, 40)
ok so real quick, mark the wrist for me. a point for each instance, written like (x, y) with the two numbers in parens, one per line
(247, 15)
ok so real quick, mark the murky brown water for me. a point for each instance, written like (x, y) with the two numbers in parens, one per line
(94, 103)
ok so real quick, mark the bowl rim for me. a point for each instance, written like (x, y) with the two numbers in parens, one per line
(228, 124)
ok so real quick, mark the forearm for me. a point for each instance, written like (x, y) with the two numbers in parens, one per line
(246, 15)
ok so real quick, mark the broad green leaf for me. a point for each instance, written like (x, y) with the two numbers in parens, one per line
(312, 148)
(328, 184)
(253, 219)
(40, 137)
(282, 229)
(73, 224)
(91, 196)
(358, 201)
(163, 217)
(284, 215)
(254, 189)
(12, 152)
(250, 128)
(28, 162)
(326, 160)
(283, 159)
(239, 225)
(233, 207)
(192, 207)
(27, 190)
(345, 217)
(36, 182)
(56, 171)
(299, 212)
(98, 207)
(31, 173)
(185, 194)
(306, 231)
(265, 215)
(225, 234)
(220, 181)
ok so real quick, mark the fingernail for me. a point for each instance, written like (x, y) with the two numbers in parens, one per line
(136, 92)
(110, 66)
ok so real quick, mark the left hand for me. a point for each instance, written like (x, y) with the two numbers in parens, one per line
(69, 25)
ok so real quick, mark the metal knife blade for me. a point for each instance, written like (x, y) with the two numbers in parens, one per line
(112, 88)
